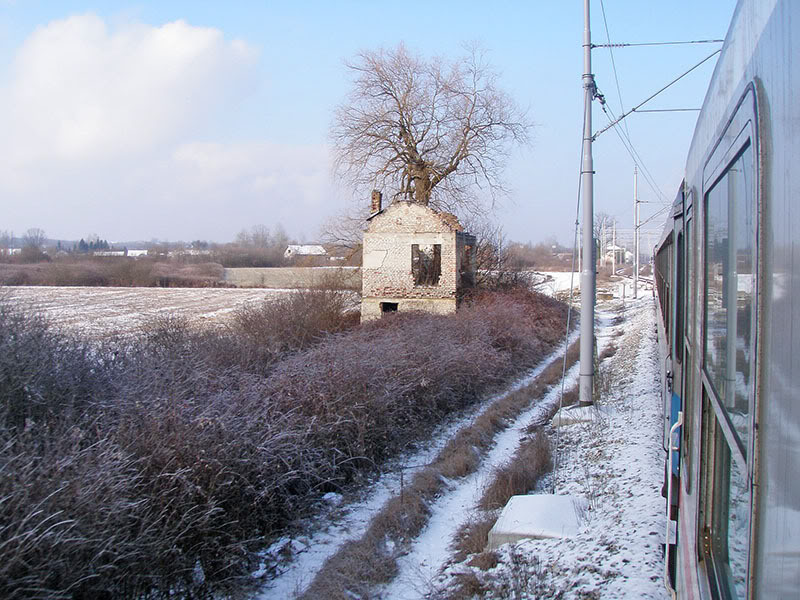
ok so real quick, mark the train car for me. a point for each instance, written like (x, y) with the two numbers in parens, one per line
(726, 278)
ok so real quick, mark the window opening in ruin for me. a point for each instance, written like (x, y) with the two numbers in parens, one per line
(387, 307)
(426, 263)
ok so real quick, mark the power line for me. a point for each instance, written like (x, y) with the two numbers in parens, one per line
(663, 110)
(654, 215)
(613, 64)
(671, 83)
(637, 159)
(626, 45)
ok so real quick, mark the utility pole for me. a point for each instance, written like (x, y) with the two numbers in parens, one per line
(603, 243)
(635, 232)
(588, 267)
(614, 247)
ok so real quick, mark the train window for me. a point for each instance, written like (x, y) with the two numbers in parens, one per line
(730, 520)
(691, 277)
(679, 293)
(688, 373)
(729, 251)
(688, 421)
(729, 292)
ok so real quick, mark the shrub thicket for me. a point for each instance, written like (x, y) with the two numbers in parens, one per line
(113, 271)
(155, 468)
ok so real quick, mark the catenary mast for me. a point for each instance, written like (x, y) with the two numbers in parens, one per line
(588, 263)
(635, 232)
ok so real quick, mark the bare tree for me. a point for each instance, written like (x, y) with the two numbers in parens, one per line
(603, 223)
(345, 230)
(34, 238)
(495, 265)
(427, 131)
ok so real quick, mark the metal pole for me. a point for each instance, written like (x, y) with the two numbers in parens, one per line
(588, 267)
(635, 232)
(614, 247)
(603, 244)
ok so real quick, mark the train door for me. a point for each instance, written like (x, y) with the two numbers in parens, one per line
(676, 387)
(687, 380)
(677, 345)
(729, 351)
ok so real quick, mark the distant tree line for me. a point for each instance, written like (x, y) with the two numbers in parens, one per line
(84, 247)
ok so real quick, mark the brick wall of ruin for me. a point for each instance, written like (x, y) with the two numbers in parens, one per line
(387, 273)
(387, 267)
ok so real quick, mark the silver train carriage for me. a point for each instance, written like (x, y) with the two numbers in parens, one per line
(728, 282)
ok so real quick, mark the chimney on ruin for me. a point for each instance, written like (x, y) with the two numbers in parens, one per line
(377, 197)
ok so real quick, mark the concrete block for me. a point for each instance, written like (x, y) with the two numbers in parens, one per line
(537, 516)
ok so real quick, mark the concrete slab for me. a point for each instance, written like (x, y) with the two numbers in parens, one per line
(535, 517)
(578, 414)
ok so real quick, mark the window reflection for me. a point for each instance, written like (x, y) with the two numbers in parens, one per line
(730, 287)
(730, 527)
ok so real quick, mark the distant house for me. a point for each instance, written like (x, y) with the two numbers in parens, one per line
(414, 258)
(615, 254)
(298, 250)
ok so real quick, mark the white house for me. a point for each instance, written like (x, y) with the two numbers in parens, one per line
(293, 250)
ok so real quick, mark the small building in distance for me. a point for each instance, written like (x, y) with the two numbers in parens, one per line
(414, 258)
(298, 250)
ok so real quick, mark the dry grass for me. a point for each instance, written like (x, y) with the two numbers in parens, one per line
(607, 352)
(113, 271)
(484, 561)
(126, 468)
(520, 474)
(352, 572)
(472, 537)
(467, 586)
(400, 520)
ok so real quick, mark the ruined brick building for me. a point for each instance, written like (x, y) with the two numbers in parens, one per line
(415, 258)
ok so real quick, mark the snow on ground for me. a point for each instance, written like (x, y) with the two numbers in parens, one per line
(106, 311)
(342, 523)
(555, 282)
(615, 463)
(419, 568)
(101, 312)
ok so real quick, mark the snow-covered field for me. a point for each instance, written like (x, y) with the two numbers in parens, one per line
(614, 463)
(103, 311)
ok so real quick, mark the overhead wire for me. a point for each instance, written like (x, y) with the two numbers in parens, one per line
(627, 143)
(613, 63)
(624, 136)
(627, 45)
(662, 110)
(637, 159)
(671, 83)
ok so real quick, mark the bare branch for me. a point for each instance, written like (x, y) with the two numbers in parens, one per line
(427, 131)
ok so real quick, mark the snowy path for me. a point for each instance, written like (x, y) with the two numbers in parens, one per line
(616, 464)
(420, 567)
(340, 524)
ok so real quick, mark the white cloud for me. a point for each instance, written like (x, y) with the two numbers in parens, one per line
(101, 131)
(259, 182)
(80, 91)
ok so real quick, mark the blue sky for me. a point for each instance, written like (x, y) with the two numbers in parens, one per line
(187, 120)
